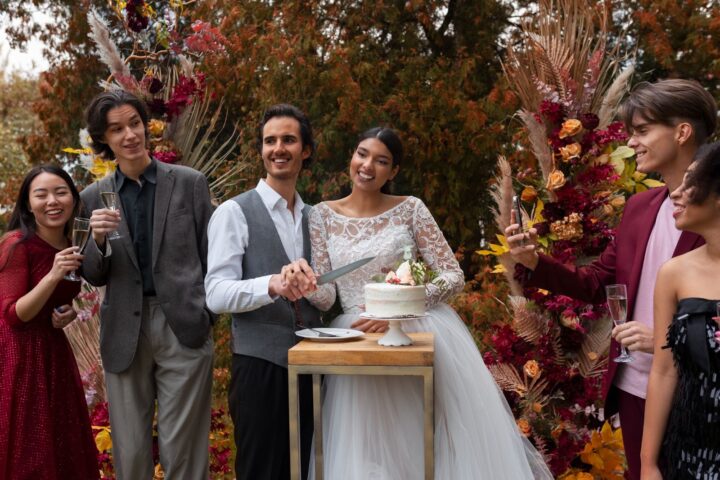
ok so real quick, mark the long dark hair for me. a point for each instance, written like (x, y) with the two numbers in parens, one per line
(22, 219)
(393, 143)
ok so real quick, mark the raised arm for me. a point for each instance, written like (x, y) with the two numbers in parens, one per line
(18, 302)
(438, 255)
(663, 375)
(324, 297)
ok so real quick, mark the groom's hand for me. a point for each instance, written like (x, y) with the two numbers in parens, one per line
(300, 276)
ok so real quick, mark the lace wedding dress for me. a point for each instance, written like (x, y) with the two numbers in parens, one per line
(372, 425)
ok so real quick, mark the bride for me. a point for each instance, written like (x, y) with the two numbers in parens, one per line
(372, 425)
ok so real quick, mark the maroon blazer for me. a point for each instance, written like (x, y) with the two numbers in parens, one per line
(621, 262)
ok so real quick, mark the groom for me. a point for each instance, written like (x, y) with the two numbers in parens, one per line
(251, 237)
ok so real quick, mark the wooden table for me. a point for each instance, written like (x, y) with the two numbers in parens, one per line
(358, 357)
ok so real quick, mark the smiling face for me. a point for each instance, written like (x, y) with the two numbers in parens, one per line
(282, 149)
(656, 145)
(51, 202)
(372, 165)
(125, 135)
(691, 216)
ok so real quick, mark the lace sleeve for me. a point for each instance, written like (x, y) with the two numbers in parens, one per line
(438, 255)
(324, 297)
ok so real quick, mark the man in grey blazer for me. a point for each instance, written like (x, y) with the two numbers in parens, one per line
(251, 238)
(155, 331)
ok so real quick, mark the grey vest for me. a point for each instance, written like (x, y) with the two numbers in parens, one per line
(269, 331)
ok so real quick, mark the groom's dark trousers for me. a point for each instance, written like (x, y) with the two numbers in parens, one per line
(258, 400)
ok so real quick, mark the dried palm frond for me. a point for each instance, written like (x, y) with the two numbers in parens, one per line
(530, 324)
(614, 95)
(562, 56)
(109, 53)
(508, 378)
(556, 344)
(593, 358)
(84, 338)
(502, 193)
(538, 142)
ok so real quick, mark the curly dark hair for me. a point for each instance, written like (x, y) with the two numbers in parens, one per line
(704, 178)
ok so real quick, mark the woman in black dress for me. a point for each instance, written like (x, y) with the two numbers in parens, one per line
(681, 436)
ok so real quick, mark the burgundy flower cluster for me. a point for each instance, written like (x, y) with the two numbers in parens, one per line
(136, 18)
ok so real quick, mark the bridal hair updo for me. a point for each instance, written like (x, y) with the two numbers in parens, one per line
(704, 178)
(393, 143)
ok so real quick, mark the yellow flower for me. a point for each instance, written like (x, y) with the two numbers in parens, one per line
(529, 194)
(571, 151)
(570, 127)
(532, 369)
(555, 180)
(103, 440)
(156, 127)
(102, 168)
(524, 427)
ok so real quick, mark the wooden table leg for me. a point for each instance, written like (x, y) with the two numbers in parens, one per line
(317, 414)
(294, 416)
(429, 399)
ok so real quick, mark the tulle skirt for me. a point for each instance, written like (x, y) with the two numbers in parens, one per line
(373, 425)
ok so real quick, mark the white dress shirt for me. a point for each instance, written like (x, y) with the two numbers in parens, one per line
(225, 290)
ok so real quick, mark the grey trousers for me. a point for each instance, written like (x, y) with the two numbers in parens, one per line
(180, 379)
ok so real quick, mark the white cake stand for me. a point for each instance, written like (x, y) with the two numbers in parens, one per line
(395, 336)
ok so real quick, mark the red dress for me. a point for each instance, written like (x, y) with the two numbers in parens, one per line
(44, 425)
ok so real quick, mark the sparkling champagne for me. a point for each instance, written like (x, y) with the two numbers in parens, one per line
(109, 199)
(618, 308)
(80, 237)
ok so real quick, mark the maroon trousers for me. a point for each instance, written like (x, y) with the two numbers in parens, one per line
(632, 416)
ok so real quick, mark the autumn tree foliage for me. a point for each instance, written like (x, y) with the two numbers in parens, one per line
(430, 69)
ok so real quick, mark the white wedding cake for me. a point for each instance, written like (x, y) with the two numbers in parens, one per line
(384, 300)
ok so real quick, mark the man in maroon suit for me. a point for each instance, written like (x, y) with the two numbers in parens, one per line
(668, 121)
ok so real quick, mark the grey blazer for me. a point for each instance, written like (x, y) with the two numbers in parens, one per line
(179, 260)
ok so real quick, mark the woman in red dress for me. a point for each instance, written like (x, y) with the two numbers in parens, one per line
(44, 425)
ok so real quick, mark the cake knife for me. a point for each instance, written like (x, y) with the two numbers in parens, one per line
(339, 272)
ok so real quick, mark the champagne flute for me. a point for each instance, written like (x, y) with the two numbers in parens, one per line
(617, 304)
(111, 201)
(80, 235)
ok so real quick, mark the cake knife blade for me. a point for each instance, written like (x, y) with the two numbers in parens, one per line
(339, 272)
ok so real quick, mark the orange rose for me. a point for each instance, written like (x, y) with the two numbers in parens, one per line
(524, 427)
(537, 407)
(532, 369)
(555, 180)
(156, 127)
(529, 194)
(571, 151)
(569, 128)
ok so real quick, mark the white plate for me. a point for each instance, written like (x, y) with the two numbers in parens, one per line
(343, 334)
(370, 316)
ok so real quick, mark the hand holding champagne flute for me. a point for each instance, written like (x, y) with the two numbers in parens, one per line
(80, 235)
(111, 201)
(617, 305)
